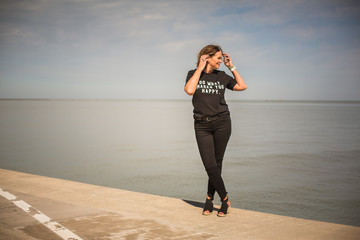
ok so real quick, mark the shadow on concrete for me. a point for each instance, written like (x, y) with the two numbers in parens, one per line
(197, 204)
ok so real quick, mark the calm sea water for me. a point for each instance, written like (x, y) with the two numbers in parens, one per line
(296, 159)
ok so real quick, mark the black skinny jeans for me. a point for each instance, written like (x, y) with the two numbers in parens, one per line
(212, 138)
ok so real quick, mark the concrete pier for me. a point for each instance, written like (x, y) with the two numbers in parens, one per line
(96, 212)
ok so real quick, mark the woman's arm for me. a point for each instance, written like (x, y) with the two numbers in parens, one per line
(240, 85)
(191, 85)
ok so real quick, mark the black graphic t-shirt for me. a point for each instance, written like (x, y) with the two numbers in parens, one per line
(208, 99)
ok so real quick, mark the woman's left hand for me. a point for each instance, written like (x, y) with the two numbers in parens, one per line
(227, 60)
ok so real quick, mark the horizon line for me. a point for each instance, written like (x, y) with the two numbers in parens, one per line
(129, 99)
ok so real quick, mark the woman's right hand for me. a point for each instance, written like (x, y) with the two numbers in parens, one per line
(203, 61)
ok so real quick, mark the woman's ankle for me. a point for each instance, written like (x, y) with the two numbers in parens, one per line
(210, 197)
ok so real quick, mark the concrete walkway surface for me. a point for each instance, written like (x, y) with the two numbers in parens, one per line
(96, 212)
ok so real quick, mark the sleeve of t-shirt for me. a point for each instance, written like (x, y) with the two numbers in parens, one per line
(189, 75)
(230, 81)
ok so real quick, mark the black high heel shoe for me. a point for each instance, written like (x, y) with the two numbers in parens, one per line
(225, 208)
(209, 206)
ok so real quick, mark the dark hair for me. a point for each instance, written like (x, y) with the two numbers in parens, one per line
(210, 50)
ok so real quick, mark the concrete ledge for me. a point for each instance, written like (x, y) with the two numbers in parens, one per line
(95, 212)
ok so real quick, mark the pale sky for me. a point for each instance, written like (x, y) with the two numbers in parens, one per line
(285, 50)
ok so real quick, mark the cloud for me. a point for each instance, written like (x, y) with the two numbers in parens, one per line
(154, 17)
(136, 44)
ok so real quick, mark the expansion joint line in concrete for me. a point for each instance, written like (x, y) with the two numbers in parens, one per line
(54, 226)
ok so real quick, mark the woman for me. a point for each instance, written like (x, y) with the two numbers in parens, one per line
(212, 117)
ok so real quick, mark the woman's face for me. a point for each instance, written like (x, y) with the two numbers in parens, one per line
(215, 60)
